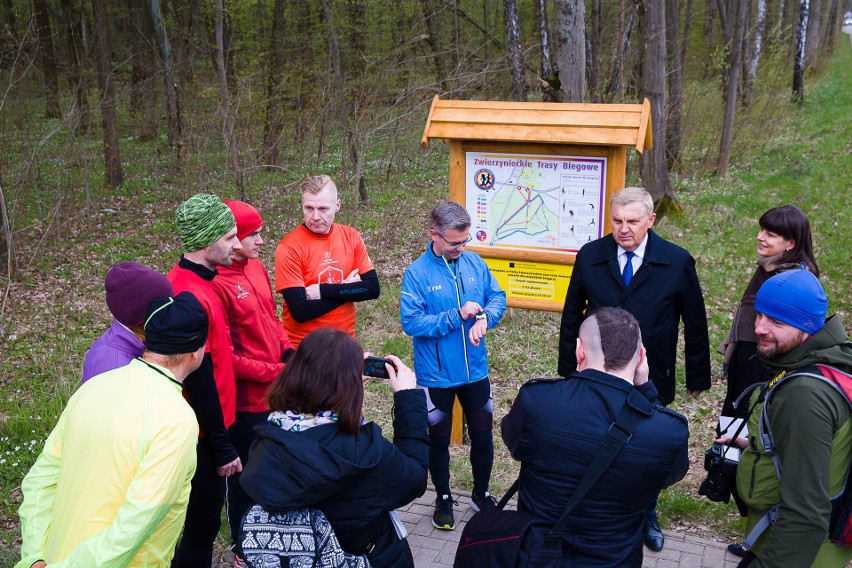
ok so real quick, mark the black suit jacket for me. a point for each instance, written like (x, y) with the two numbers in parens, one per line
(663, 291)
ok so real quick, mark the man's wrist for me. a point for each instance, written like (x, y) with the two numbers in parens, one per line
(482, 316)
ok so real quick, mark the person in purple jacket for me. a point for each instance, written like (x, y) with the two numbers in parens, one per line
(130, 286)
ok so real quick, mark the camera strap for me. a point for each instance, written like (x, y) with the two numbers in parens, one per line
(636, 407)
(745, 395)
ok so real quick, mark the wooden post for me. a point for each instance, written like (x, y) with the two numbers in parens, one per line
(457, 434)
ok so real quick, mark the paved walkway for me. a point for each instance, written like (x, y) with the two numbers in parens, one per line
(435, 548)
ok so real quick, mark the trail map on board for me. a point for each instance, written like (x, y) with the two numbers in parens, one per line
(547, 203)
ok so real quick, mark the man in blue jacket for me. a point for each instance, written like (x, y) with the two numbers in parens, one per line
(655, 280)
(605, 528)
(448, 303)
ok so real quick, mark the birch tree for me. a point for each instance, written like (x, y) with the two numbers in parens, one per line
(513, 39)
(756, 43)
(544, 39)
(799, 57)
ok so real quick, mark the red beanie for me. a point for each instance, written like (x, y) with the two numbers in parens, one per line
(248, 219)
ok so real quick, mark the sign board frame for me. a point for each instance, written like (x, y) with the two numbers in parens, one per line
(544, 273)
(533, 128)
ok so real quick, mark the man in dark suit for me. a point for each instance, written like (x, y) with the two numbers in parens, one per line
(635, 269)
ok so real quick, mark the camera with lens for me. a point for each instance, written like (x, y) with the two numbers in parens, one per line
(721, 474)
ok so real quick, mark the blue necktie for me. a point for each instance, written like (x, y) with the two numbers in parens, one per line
(627, 275)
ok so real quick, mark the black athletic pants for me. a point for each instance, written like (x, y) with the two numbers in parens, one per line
(475, 400)
(242, 436)
(203, 514)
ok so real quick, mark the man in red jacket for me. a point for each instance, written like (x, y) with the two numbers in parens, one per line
(208, 234)
(260, 344)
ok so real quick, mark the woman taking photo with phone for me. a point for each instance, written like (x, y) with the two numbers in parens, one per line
(317, 451)
(783, 243)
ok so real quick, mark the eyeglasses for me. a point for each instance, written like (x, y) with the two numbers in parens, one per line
(457, 244)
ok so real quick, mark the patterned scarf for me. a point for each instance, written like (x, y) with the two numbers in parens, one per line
(293, 422)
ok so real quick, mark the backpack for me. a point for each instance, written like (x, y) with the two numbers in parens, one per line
(295, 539)
(840, 523)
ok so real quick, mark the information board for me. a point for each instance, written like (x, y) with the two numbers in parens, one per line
(534, 202)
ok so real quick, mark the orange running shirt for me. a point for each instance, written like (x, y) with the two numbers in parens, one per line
(304, 258)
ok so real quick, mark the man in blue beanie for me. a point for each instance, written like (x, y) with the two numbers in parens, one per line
(810, 426)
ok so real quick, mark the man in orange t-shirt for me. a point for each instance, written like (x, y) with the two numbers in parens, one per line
(322, 267)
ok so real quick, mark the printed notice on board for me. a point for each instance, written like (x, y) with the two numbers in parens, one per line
(531, 280)
(530, 202)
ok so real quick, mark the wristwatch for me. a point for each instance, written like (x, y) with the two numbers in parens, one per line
(482, 316)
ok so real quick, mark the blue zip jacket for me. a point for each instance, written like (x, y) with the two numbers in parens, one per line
(433, 292)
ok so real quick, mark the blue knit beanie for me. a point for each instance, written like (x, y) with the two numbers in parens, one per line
(794, 297)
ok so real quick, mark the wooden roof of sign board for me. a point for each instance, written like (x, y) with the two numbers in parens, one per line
(560, 123)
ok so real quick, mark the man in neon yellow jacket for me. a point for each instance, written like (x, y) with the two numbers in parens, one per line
(111, 486)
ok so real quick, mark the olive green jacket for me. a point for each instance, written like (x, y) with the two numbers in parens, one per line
(813, 438)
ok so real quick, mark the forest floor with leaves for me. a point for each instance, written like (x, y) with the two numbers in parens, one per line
(54, 307)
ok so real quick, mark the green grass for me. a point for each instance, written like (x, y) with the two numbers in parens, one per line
(783, 154)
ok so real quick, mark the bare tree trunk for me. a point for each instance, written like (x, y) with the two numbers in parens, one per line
(228, 42)
(77, 50)
(173, 118)
(830, 36)
(812, 43)
(543, 34)
(225, 101)
(11, 23)
(675, 83)
(143, 98)
(188, 18)
(621, 52)
(339, 81)
(751, 67)
(711, 15)
(352, 150)
(687, 31)
(274, 124)
(430, 16)
(112, 157)
(357, 37)
(799, 59)
(7, 243)
(733, 81)
(594, 53)
(655, 173)
(779, 26)
(570, 49)
(456, 39)
(513, 39)
(48, 59)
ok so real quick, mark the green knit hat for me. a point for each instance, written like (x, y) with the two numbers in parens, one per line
(201, 220)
